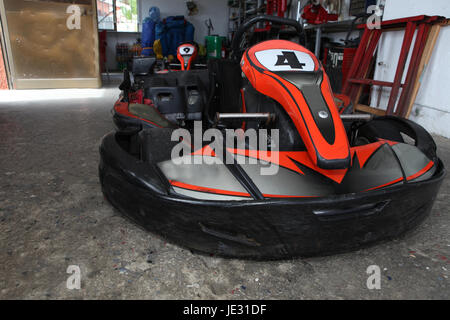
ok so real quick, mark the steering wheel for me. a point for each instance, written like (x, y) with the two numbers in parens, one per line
(236, 43)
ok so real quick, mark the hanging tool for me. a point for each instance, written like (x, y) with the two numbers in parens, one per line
(209, 25)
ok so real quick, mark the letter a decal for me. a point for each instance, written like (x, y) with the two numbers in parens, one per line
(288, 58)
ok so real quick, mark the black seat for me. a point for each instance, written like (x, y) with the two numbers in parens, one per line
(256, 102)
(225, 85)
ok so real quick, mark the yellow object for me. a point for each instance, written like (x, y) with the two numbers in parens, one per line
(202, 50)
(157, 49)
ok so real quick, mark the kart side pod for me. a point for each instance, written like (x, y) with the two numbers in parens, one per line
(291, 75)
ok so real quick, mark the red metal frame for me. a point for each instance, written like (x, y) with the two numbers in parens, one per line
(421, 40)
(365, 53)
(407, 39)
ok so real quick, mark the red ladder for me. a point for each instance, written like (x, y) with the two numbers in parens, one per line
(364, 58)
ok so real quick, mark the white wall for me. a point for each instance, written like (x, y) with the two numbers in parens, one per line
(432, 106)
(217, 10)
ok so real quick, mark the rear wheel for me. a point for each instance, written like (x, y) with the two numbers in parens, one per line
(399, 130)
(374, 130)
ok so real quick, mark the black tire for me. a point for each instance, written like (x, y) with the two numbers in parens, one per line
(392, 128)
(262, 230)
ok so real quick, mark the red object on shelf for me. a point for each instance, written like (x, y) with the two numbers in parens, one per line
(274, 7)
(316, 14)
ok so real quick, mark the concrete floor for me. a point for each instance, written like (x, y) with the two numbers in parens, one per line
(53, 214)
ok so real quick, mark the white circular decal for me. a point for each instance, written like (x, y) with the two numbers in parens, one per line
(186, 50)
(285, 60)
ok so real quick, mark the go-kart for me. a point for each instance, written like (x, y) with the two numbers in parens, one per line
(251, 158)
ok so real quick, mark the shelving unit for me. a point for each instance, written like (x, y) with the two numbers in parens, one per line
(330, 27)
(239, 11)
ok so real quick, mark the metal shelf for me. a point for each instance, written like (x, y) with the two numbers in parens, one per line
(330, 27)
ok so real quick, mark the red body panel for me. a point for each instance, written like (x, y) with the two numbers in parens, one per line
(293, 101)
(286, 160)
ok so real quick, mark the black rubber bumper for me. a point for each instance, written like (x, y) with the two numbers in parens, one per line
(267, 229)
(124, 123)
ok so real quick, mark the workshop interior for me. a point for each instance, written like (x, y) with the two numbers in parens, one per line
(224, 149)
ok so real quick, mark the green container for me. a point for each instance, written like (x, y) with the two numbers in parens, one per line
(214, 46)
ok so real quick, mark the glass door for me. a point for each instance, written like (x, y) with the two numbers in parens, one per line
(51, 43)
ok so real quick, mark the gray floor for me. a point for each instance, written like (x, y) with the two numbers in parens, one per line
(53, 214)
